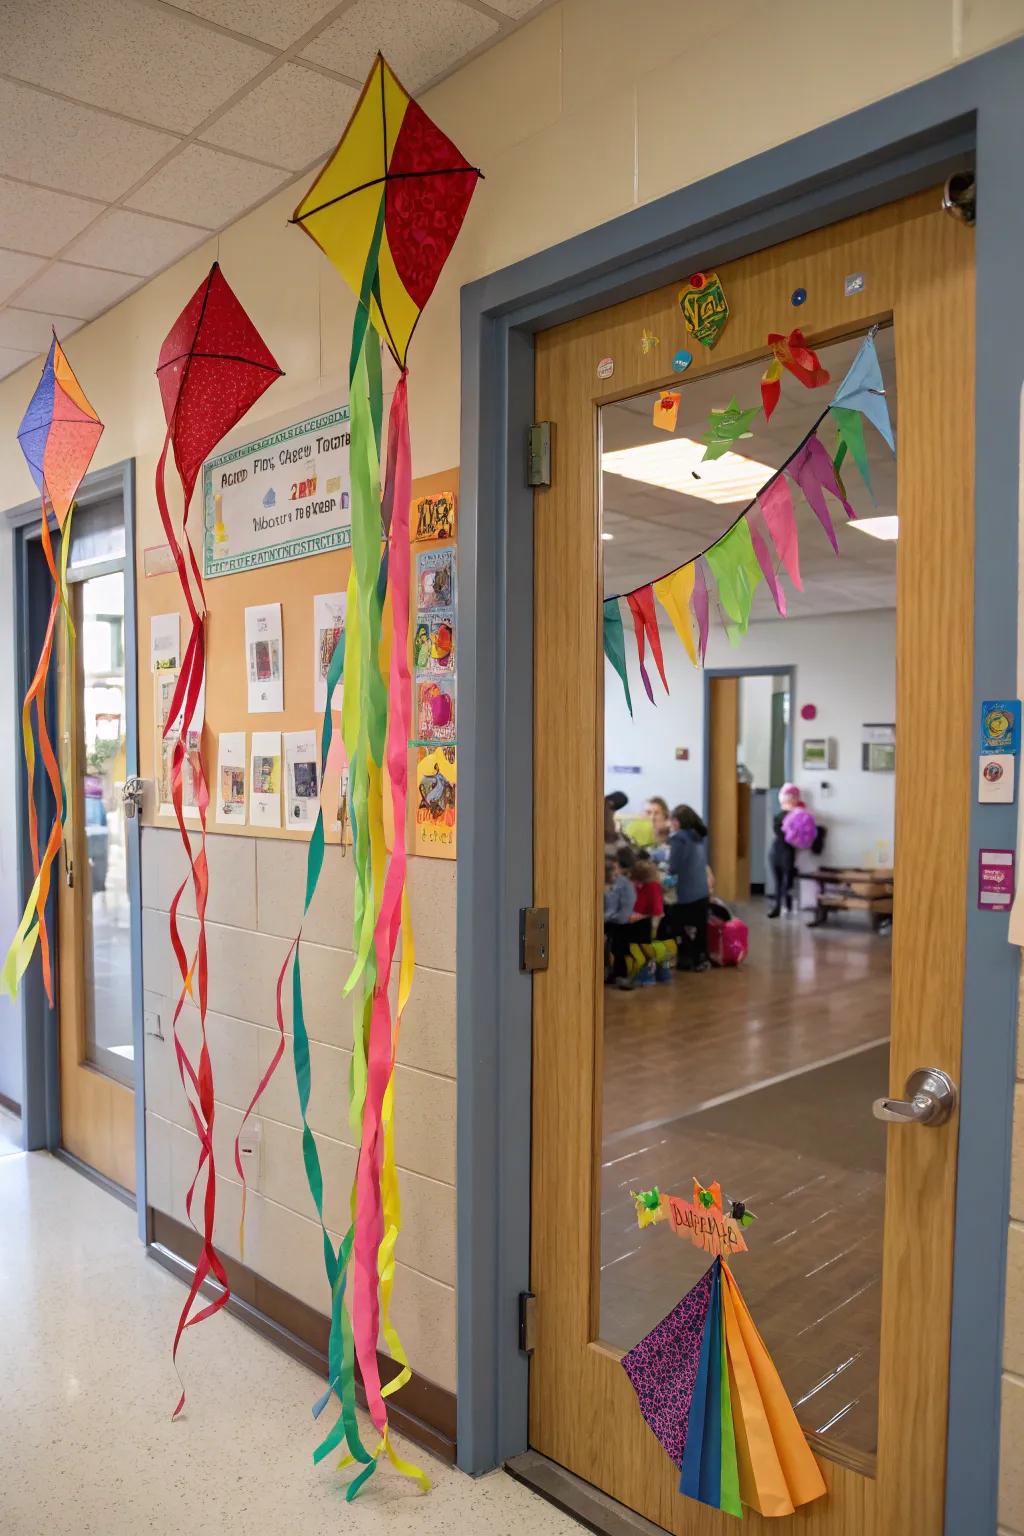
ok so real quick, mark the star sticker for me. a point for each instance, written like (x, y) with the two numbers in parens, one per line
(648, 341)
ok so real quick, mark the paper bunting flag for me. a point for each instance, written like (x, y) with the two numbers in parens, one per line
(673, 593)
(390, 202)
(700, 603)
(776, 502)
(213, 365)
(760, 539)
(58, 436)
(386, 210)
(666, 410)
(708, 1389)
(737, 572)
(863, 390)
(850, 434)
(645, 626)
(812, 470)
(725, 426)
(615, 644)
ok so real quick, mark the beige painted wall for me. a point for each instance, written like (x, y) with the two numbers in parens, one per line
(594, 107)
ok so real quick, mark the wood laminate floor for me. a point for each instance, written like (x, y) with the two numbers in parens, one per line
(762, 1077)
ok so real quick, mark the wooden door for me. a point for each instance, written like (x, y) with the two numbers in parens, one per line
(723, 789)
(919, 272)
(95, 893)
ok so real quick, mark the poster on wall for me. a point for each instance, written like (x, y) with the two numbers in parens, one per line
(435, 579)
(302, 777)
(434, 518)
(231, 779)
(164, 642)
(265, 778)
(264, 655)
(281, 497)
(436, 786)
(328, 628)
(435, 709)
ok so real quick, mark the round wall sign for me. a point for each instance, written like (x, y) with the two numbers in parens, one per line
(606, 367)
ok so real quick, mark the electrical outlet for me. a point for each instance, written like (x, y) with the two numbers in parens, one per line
(250, 1150)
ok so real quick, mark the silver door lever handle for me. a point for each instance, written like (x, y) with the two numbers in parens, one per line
(931, 1099)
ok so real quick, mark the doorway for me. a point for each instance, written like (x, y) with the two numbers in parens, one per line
(748, 751)
(87, 1087)
(922, 268)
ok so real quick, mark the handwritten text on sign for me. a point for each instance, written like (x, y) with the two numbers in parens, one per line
(279, 498)
(707, 1228)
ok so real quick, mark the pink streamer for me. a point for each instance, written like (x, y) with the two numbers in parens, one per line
(777, 505)
(761, 540)
(701, 610)
(369, 1224)
(813, 472)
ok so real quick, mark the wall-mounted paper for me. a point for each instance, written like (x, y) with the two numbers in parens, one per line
(164, 684)
(264, 649)
(435, 578)
(434, 518)
(436, 786)
(231, 778)
(164, 642)
(435, 709)
(328, 628)
(265, 779)
(302, 777)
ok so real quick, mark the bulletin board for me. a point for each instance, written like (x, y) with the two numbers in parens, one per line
(294, 585)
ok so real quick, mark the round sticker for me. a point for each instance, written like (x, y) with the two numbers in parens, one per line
(697, 280)
(682, 360)
(809, 712)
(992, 772)
(798, 297)
(606, 367)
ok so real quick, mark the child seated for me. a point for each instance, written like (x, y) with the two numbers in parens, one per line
(619, 901)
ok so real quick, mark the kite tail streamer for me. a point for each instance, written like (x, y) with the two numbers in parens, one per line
(194, 972)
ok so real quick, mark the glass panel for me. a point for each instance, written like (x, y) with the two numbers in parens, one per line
(97, 536)
(103, 884)
(760, 1075)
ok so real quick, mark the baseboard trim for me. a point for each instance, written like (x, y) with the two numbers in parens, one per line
(422, 1411)
(94, 1176)
(11, 1105)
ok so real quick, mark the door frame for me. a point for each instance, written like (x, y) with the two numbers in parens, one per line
(789, 670)
(972, 114)
(39, 1024)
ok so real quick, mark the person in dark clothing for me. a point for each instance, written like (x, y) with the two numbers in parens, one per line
(619, 901)
(782, 855)
(688, 866)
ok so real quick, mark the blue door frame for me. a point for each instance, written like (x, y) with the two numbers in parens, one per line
(33, 590)
(903, 144)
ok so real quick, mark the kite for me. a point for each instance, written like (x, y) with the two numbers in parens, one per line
(385, 209)
(212, 367)
(705, 1382)
(58, 436)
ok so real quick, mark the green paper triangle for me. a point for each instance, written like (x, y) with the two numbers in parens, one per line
(729, 1486)
(615, 645)
(737, 573)
(850, 425)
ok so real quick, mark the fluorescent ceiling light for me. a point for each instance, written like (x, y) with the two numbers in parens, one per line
(677, 464)
(607, 536)
(878, 527)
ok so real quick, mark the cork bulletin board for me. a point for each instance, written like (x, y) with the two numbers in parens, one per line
(294, 585)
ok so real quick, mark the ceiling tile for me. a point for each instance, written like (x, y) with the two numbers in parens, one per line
(267, 20)
(134, 242)
(153, 64)
(292, 118)
(34, 219)
(30, 332)
(419, 38)
(84, 292)
(75, 149)
(16, 269)
(207, 187)
(11, 360)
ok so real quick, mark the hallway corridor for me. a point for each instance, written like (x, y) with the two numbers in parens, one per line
(87, 1388)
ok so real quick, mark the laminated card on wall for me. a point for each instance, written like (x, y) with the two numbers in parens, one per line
(231, 779)
(302, 777)
(265, 779)
(328, 628)
(264, 656)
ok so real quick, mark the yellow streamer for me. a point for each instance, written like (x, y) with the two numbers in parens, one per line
(673, 593)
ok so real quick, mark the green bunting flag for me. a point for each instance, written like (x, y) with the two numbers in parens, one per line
(615, 644)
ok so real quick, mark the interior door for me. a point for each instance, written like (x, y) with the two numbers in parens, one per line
(98, 890)
(724, 809)
(917, 271)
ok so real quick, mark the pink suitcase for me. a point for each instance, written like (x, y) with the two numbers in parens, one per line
(728, 936)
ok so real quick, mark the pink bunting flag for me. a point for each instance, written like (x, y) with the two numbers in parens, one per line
(645, 622)
(776, 502)
(761, 540)
(701, 607)
(814, 472)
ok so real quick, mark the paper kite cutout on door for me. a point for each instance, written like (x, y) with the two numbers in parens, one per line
(58, 436)
(706, 1384)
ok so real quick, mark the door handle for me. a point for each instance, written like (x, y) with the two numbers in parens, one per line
(931, 1099)
(131, 797)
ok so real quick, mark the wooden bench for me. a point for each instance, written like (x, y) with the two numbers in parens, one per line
(852, 890)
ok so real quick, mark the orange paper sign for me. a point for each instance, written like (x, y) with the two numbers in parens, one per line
(666, 410)
(707, 1227)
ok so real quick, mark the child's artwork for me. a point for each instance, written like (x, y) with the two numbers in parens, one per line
(435, 709)
(231, 778)
(434, 518)
(328, 628)
(435, 802)
(264, 642)
(435, 579)
(421, 643)
(442, 641)
(265, 775)
(303, 777)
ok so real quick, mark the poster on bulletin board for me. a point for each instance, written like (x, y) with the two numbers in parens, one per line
(281, 497)
(436, 787)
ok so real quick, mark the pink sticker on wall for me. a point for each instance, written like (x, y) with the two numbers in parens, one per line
(996, 879)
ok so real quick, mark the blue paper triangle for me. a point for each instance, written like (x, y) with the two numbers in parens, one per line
(863, 390)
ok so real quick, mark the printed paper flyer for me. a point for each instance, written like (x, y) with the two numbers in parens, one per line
(231, 778)
(435, 709)
(265, 775)
(435, 579)
(436, 783)
(302, 777)
(328, 628)
(264, 646)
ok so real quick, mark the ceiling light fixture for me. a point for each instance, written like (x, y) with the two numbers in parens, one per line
(678, 464)
(607, 536)
(878, 527)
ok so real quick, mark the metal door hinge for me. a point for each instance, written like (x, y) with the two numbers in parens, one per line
(527, 1322)
(533, 938)
(538, 454)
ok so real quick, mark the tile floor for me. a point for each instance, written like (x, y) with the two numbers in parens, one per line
(87, 1388)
